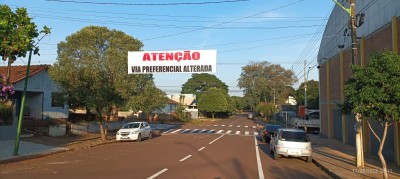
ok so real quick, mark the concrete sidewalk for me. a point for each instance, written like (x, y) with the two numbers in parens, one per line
(339, 160)
(26, 150)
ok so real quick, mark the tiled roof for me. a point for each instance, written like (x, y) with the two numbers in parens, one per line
(170, 101)
(18, 73)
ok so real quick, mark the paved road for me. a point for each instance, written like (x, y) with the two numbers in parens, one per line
(208, 152)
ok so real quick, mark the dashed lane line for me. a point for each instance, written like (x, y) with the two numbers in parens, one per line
(183, 159)
(158, 173)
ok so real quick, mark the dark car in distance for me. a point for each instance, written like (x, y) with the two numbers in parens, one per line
(268, 131)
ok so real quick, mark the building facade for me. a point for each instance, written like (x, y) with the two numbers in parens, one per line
(378, 32)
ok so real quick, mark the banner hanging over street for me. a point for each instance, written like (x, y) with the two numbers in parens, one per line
(178, 61)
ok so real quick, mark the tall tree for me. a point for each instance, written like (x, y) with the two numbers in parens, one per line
(312, 94)
(199, 83)
(91, 70)
(263, 81)
(214, 100)
(18, 35)
(374, 92)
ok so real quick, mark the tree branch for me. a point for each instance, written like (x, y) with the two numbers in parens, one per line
(373, 132)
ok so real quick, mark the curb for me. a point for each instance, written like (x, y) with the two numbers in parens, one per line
(326, 169)
(43, 154)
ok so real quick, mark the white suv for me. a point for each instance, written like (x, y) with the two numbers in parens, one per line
(291, 142)
(134, 131)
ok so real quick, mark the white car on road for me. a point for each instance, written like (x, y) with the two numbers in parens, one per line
(134, 131)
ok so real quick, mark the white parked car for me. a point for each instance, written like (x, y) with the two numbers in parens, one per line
(291, 142)
(134, 131)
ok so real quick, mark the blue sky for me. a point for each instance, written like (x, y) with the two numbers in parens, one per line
(284, 32)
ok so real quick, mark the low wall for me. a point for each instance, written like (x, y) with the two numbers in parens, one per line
(85, 128)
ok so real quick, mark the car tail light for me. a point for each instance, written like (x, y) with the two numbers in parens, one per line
(265, 132)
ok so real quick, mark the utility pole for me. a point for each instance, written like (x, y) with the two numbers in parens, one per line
(359, 135)
(354, 56)
(305, 87)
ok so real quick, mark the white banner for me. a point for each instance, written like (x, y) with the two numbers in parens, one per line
(178, 61)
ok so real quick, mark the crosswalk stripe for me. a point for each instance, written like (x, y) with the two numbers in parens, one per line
(238, 126)
(230, 125)
(168, 131)
(237, 132)
(194, 130)
(176, 131)
(211, 131)
(246, 133)
(228, 132)
(223, 125)
(219, 131)
(203, 130)
(255, 133)
(254, 127)
(246, 126)
(185, 130)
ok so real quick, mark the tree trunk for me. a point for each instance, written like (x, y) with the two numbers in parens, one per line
(381, 144)
(212, 115)
(102, 128)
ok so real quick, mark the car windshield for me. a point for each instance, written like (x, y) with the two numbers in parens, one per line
(129, 126)
(296, 136)
(272, 127)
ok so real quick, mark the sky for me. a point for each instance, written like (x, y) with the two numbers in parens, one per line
(283, 32)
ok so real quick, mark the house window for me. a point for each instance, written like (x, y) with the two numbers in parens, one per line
(56, 100)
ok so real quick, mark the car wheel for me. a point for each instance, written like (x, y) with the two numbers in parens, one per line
(139, 138)
(150, 135)
(271, 151)
(309, 159)
(276, 156)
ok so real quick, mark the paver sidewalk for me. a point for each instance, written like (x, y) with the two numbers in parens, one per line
(339, 160)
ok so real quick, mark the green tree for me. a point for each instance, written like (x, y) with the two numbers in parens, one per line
(374, 92)
(199, 83)
(265, 109)
(240, 102)
(152, 98)
(312, 94)
(91, 71)
(263, 81)
(18, 34)
(213, 101)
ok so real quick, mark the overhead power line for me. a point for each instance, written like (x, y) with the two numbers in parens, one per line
(148, 4)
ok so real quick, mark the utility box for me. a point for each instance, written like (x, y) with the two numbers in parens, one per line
(302, 111)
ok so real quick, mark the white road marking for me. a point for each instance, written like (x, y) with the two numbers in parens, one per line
(246, 133)
(259, 166)
(185, 130)
(233, 121)
(228, 132)
(202, 130)
(230, 125)
(158, 173)
(256, 133)
(211, 131)
(238, 126)
(223, 125)
(176, 131)
(215, 125)
(201, 149)
(246, 126)
(254, 127)
(194, 130)
(168, 131)
(237, 132)
(219, 131)
(181, 160)
(216, 139)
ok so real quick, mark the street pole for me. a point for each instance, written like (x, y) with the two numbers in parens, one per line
(359, 136)
(354, 56)
(21, 111)
(305, 88)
